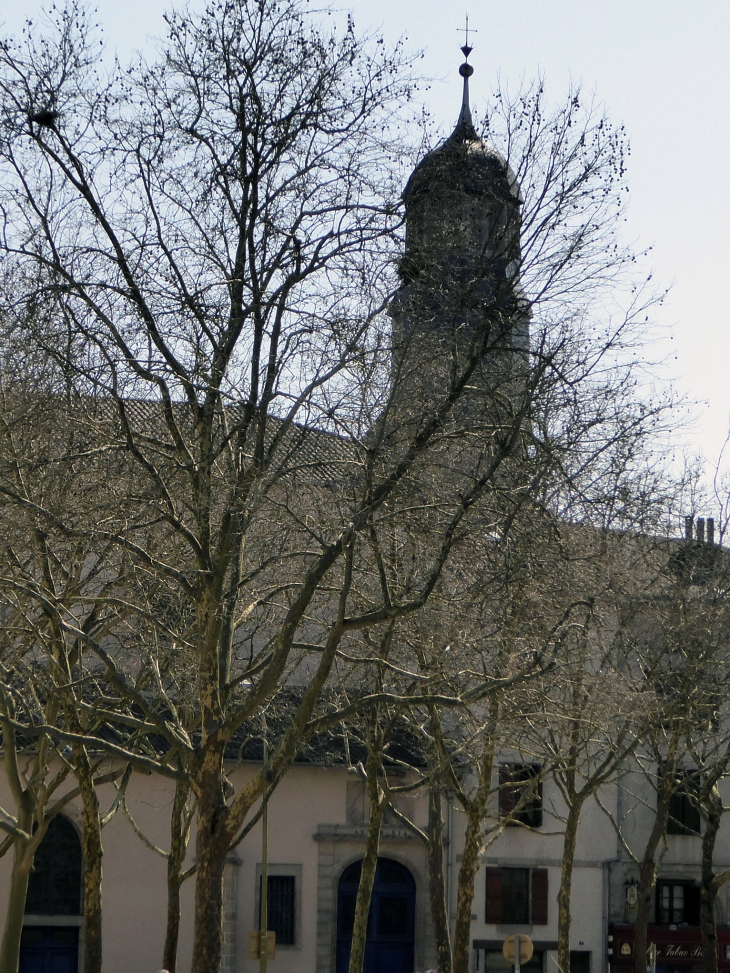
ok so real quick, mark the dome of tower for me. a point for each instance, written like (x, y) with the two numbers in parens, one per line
(466, 164)
(462, 209)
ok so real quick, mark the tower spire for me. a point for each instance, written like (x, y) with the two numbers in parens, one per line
(464, 126)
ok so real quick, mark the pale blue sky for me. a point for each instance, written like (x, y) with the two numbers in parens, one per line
(662, 67)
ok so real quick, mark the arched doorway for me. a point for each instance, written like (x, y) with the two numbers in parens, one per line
(54, 890)
(391, 924)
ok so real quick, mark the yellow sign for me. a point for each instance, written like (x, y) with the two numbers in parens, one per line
(254, 945)
(526, 949)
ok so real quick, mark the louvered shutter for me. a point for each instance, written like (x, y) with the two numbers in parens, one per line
(494, 895)
(539, 896)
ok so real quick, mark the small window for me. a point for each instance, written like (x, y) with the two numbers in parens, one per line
(517, 896)
(580, 961)
(284, 902)
(677, 904)
(282, 908)
(684, 812)
(520, 794)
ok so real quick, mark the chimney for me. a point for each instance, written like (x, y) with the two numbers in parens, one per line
(688, 528)
(711, 530)
(701, 530)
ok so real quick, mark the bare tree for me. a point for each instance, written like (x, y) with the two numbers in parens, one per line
(204, 247)
(680, 640)
(216, 257)
(40, 777)
(45, 683)
(712, 761)
(581, 719)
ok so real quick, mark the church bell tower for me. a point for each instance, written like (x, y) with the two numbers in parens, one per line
(460, 272)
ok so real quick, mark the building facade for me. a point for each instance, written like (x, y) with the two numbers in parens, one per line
(317, 819)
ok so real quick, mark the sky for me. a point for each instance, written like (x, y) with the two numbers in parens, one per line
(661, 67)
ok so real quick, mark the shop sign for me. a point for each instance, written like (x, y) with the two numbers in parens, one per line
(678, 950)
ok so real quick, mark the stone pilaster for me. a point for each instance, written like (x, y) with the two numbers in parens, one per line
(230, 913)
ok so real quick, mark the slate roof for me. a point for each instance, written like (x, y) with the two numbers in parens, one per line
(330, 748)
(324, 455)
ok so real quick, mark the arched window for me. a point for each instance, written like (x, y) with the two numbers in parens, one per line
(54, 888)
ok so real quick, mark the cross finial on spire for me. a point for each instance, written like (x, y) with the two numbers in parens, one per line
(465, 127)
(466, 49)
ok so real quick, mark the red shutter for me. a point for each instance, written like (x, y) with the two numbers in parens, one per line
(539, 896)
(494, 895)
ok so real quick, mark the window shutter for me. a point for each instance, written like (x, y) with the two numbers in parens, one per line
(539, 896)
(494, 895)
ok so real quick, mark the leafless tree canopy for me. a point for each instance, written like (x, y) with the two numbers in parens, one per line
(216, 479)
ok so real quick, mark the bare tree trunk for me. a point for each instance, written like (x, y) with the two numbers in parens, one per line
(476, 809)
(93, 858)
(566, 881)
(30, 794)
(647, 873)
(172, 932)
(369, 862)
(10, 949)
(22, 864)
(708, 885)
(647, 877)
(211, 848)
(465, 892)
(437, 880)
(179, 836)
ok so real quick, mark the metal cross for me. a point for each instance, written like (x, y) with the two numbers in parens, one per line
(466, 49)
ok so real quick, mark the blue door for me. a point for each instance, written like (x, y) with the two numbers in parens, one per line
(390, 937)
(49, 949)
